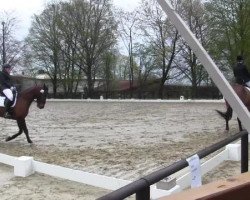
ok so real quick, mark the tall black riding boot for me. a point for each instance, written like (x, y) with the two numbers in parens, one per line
(7, 104)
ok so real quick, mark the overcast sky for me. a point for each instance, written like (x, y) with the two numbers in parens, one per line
(24, 9)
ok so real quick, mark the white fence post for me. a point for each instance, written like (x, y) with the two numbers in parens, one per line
(24, 166)
(234, 152)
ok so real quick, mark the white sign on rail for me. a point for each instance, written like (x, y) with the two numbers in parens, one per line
(195, 167)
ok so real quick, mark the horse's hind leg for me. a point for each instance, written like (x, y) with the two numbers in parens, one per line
(17, 134)
(22, 127)
(239, 123)
(227, 126)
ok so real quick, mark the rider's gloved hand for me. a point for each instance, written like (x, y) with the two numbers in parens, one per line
(13, 88)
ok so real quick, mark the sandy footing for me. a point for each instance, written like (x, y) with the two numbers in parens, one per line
(125, 140)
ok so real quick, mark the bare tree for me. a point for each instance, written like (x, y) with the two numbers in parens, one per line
(122, 67)
(96, 28)
(44, 42)
(193, 13)
(109, 62)
(127, 31)
(68, 40)
(147, 67)
(162, 36)
(10, 47)
(70, 73)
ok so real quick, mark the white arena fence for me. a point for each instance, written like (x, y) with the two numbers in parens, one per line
(181, 100)
(142, 187)
(25, 166)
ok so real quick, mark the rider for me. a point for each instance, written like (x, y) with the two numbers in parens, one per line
(241, 73)
(6, 88)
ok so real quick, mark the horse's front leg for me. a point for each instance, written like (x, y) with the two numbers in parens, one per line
(17, 134)
(24, 127)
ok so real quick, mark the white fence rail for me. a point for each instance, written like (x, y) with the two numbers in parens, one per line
(25, 166)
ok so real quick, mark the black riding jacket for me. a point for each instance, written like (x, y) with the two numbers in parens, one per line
(241, 74)
(5, 80)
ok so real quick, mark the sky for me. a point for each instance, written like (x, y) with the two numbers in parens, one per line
(23, 10)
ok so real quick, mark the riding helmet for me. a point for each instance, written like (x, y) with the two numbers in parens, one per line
(239, 58)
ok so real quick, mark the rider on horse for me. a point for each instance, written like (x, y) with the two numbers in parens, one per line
(6, 87)
(241, 73)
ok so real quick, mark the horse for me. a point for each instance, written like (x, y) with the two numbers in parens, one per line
(22, 105)
(244, 94)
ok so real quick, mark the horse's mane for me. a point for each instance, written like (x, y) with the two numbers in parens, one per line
(28, 90)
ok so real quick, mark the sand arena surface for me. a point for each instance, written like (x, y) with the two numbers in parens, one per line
(125, 140)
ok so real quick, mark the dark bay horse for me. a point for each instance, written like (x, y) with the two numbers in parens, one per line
(21, 109)
(244, 94)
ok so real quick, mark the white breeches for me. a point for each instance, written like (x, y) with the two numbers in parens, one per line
(248, 84)
(8, 93)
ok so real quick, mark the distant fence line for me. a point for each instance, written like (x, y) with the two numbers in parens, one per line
(169, 92)
(148, 92)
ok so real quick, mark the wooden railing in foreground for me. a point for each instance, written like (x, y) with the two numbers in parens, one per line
(141, 187)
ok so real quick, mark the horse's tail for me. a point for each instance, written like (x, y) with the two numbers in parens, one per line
(226, 115)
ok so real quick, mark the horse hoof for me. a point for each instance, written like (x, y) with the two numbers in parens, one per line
(226, 131)
(7, 139)
(30, 142)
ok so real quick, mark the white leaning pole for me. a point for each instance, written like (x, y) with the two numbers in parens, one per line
(208, 63)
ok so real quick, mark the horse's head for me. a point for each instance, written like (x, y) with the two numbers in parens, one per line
(42, 92)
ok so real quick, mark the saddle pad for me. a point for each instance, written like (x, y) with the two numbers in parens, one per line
(2, 98)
